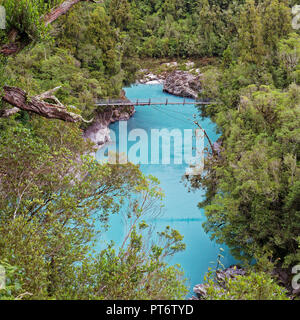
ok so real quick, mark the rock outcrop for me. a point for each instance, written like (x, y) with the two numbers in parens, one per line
(98, 131)
(221, 275)
(183, 84)
(150, 78)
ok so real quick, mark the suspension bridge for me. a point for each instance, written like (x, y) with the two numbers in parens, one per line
(149, 102)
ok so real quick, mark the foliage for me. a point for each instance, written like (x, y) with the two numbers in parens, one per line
(252, 188)
(252, 196)
(131, 273)
(25, 16)
(44, 68)
(54, 204)
(12, 285)
(289, 58)
(253, 286)
(53, 197)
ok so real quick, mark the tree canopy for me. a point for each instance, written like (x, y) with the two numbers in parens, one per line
(56, 200)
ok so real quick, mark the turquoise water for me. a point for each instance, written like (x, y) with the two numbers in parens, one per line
(180, 211)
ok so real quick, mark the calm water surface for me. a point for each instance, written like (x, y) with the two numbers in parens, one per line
(180, 211)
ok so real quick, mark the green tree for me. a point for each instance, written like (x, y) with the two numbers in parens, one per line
(120, 13)
(53, 199)
(251, 41)
(252, 186)
(25, 16)
(276, 22)
(253, 286)
(289, 57)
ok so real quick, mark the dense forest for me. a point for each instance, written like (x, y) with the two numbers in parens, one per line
(55, 64)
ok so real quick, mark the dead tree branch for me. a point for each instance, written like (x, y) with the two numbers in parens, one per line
(19, 99)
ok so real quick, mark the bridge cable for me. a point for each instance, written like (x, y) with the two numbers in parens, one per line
(171, 116)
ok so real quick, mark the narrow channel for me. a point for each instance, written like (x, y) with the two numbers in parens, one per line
(180, 206)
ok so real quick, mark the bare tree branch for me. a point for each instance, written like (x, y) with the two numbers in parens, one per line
(19, 100)
(8, 112)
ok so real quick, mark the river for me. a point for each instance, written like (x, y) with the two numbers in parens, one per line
(180, 206)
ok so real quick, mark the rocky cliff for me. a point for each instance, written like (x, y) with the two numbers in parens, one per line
(98, 131)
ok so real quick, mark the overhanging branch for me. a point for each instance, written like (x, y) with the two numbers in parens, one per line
(18, 98)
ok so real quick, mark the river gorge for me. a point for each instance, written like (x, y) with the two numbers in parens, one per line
(180, 210)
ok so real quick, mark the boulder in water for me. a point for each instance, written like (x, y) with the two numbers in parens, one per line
(183, 84)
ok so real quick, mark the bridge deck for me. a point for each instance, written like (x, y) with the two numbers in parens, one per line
(104, 103)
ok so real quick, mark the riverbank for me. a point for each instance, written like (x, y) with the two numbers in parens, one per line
(181, 79)
(98, 132)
